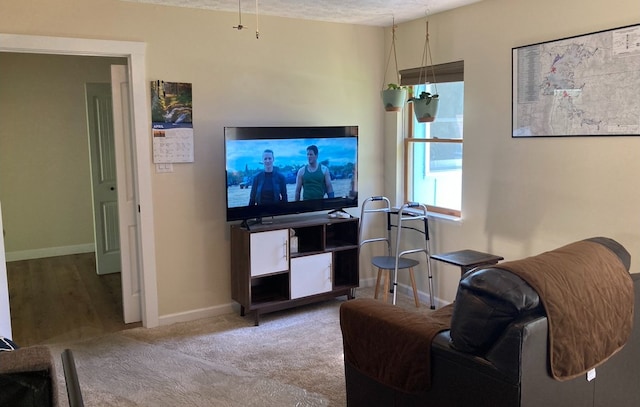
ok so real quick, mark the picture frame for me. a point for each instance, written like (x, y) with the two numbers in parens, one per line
(585, 85)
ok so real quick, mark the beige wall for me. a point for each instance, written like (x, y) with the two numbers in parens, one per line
(297, 73)
(45, 178)
(520, 196)
(524, 196)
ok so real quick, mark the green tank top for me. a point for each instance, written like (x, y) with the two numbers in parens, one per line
(313, 186)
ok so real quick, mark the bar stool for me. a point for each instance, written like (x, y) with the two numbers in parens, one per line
(395, 261)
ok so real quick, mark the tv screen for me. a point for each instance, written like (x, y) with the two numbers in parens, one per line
(275, 171)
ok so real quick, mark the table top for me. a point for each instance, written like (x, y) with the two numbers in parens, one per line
(466, 258)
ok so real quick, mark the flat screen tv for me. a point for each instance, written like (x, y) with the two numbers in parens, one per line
(272, 171)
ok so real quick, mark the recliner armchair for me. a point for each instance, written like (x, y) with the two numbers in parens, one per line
(505, 363)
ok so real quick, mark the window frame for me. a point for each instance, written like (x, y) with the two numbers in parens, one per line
(448, 72)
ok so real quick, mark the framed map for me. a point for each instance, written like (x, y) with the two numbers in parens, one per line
(587, 85)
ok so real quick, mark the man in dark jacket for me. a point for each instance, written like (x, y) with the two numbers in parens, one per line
(269, 186)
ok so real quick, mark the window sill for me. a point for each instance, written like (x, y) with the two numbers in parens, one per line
(440, 216)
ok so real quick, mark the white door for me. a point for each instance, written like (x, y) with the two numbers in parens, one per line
(5, 314)
(269, 252)
(103, 177)
(310, 275)
(127, 203)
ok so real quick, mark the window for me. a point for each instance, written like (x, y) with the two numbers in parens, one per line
(433, 151)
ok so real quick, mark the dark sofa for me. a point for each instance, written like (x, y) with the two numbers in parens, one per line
(492, 348)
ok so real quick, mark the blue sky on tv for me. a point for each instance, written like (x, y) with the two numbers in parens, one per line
(241, 154)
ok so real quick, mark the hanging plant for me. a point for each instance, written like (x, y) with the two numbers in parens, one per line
(394, 96)
(425, 106)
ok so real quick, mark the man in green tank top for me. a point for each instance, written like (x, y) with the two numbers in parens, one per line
(313, 179)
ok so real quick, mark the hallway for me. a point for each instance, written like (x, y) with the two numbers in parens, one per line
(62, 298)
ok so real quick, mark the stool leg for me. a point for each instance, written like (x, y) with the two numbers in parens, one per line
(387, 277)
(375, 294)
(413, 285)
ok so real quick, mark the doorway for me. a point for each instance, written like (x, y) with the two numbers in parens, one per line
(143, 235)
(47, 187)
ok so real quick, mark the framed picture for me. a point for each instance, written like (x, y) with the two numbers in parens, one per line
(587, 85)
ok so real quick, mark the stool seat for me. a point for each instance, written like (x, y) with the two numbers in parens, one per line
(385, 265)
(389, 262)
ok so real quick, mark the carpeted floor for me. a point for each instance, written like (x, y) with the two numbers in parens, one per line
(294, 358)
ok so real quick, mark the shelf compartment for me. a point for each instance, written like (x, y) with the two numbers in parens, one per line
(310, 238)
(342, 234)
(345, 268)
(270, 288)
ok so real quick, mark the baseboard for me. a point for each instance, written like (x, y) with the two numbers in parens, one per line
(196, 314)
(231, 307)
(49, 252)
(406, 290)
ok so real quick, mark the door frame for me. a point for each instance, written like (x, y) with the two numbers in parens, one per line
(141, 143)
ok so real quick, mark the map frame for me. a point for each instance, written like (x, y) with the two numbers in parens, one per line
(550, 89)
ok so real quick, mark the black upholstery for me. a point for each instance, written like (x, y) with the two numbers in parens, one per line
(487, 301)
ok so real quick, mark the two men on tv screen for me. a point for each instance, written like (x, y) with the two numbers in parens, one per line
(313, 180)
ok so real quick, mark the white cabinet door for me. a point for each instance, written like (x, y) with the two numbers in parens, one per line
(269, 252)
(310, 275)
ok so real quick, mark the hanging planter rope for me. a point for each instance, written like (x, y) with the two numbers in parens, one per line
(425, 106)
(394, 96)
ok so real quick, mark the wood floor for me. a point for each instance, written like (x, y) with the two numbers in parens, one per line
(60, 299)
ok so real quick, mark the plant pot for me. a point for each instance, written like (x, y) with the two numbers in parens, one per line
(394, 99)
(425, 109)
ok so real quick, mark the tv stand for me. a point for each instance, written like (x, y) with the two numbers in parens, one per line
(267, 275)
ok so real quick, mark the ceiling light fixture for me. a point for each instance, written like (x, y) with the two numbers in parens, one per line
(240, 26)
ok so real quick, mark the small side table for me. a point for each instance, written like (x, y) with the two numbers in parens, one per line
(467, 259)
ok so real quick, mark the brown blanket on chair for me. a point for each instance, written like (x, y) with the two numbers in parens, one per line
(588, 297)
(389, 344)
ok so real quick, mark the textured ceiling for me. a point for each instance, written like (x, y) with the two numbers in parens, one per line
(365, 12)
